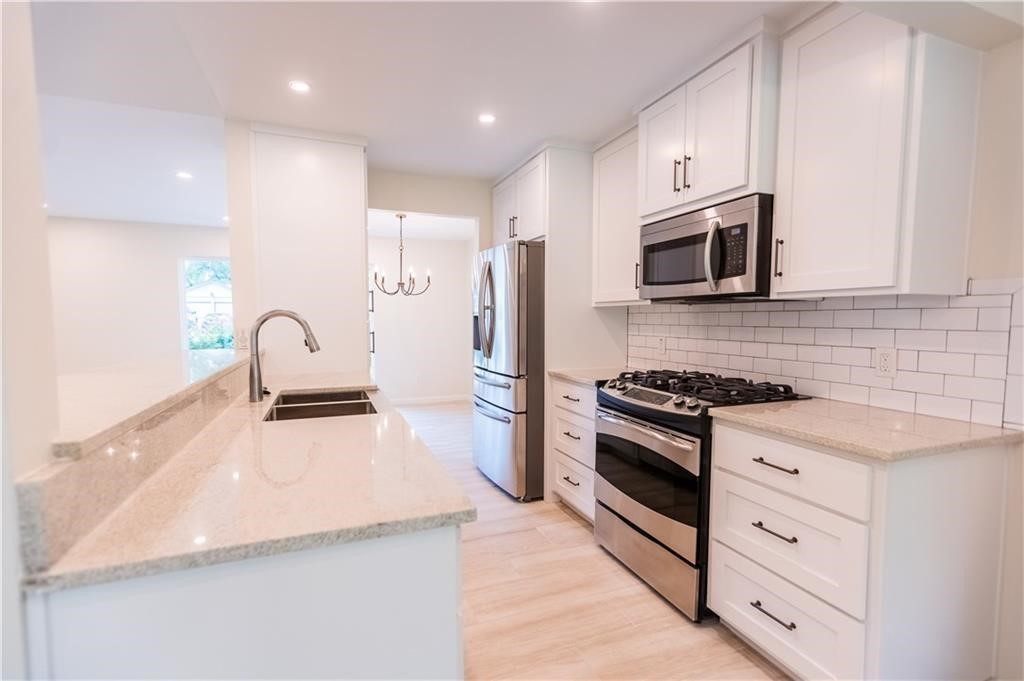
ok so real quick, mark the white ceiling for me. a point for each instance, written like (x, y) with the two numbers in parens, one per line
(383, 223)
(115, 162)
(410, 77)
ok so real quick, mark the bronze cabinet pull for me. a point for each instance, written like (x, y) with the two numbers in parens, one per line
(757, 605)
(759, 525)
(760, 460)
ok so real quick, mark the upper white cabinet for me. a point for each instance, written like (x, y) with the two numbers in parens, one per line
(711, 139)
(520, 203)
(876, 138)
(616, 226)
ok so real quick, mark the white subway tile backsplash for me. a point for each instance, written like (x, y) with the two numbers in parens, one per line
(990, 366)
(974, 388)
(946, 407)
(950, 318)
(855, 319)
(897, 319)
(891, 399)
(946, 363)
(920, 340)
(993, 319)
(832, 336)
(816, 318)
(918, 382)
(804, 336)
(874, 338)
(958, 357)
(980, 342)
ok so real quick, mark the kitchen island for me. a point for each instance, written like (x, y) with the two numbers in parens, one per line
(321, 547)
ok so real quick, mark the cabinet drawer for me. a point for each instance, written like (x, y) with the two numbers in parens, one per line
(574, 435)
(574, 397)
(819, 551)
(574, 483)
(810, 637)
(831, 481)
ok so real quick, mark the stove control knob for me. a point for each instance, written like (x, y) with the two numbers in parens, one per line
(612, 384)
(679, 400)
(692, 403)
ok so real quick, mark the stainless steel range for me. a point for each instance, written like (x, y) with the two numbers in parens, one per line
(653, 466)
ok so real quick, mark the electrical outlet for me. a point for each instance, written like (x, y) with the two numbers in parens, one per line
(660, 348)
(885, 362)
(242, 339)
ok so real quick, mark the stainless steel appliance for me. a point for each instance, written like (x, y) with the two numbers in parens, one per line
(653, 463)
(720, 252)
(508, 359)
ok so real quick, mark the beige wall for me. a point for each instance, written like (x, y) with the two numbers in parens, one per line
(442, 195)
(997, 219)
(237, 149)
(29, 376)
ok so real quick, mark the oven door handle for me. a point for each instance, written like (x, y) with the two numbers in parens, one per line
(708, 245)
(676, 443)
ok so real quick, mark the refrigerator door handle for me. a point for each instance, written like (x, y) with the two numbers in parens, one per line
(486, 285)
(484, 412)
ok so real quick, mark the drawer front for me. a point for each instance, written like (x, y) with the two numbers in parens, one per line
(574, 483)
(831, 481)
(815, 549)
(574, 397)
(574, 435)
(810, 637)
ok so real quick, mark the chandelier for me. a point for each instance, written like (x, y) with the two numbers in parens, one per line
(403, 287)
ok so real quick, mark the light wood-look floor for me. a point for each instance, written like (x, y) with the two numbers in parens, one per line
(543, 601)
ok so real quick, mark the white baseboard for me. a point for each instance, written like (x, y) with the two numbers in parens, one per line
(441, 399)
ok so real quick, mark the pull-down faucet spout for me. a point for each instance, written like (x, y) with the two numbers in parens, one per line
(255, 373)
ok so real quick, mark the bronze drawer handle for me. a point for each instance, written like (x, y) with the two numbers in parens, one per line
(759, 525)
(791, 471)
(568, 434)
(570, 481)
(757, 605)
(571, 399)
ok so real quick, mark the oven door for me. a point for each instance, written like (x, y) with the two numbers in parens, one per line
(708, 253)
(651, 478)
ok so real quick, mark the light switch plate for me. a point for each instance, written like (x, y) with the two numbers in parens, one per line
(885, 362)
(660, 349)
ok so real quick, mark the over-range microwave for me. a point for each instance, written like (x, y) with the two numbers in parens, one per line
(719, 252)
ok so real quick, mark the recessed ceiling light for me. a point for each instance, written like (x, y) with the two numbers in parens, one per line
(226, 219)
(298, 85)
(486, 118)
(46, 205)
(183, 175)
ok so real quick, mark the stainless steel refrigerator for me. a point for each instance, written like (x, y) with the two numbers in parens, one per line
(508, 371)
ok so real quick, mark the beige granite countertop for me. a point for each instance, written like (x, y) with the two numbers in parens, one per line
(588, 377)
(872, 432)
(244, 487)
(98, 405)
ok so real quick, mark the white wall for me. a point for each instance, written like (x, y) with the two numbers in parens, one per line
(997, 218)
(437, 194)
(117, 288)
(29, 378)
(425, 343)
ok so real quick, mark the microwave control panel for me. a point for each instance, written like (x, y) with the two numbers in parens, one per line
(735, 251)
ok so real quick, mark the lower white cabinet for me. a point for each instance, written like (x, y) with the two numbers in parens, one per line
(843, 567)
(571, 444)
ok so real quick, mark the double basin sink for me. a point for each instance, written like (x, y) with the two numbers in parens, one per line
(297, 404)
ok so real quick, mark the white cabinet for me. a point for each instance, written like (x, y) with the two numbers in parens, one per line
(843, 568)
(615, 271)
(309, 197)
(570, 420)
(710, 140)
(876, 136)
(520, 203)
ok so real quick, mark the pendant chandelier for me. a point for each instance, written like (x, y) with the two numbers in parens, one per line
(407, 288)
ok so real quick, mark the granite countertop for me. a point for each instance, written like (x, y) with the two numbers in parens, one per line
(873, 432)
(243, 487)
(588, 377)
(99, 405)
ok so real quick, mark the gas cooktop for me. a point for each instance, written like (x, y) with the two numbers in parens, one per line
(691, 391)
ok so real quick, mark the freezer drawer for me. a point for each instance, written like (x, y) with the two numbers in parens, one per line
(501, 391)
(499, 446)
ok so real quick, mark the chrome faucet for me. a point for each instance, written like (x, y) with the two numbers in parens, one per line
(255, 373)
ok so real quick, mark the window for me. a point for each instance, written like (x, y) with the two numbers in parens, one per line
(207, 313)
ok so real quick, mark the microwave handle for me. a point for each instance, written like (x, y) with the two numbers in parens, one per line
(708, 245)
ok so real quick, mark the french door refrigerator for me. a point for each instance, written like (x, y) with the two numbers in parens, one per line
(508, 367)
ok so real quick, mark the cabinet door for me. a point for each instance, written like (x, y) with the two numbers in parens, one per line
(504, 200)
(616, 226)
(841, 136)
(661, 153)
(718, 127)
(531, 200)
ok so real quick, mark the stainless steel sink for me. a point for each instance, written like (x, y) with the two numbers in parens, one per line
(312, 405)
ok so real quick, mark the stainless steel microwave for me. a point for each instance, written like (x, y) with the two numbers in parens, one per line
(720, 252)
